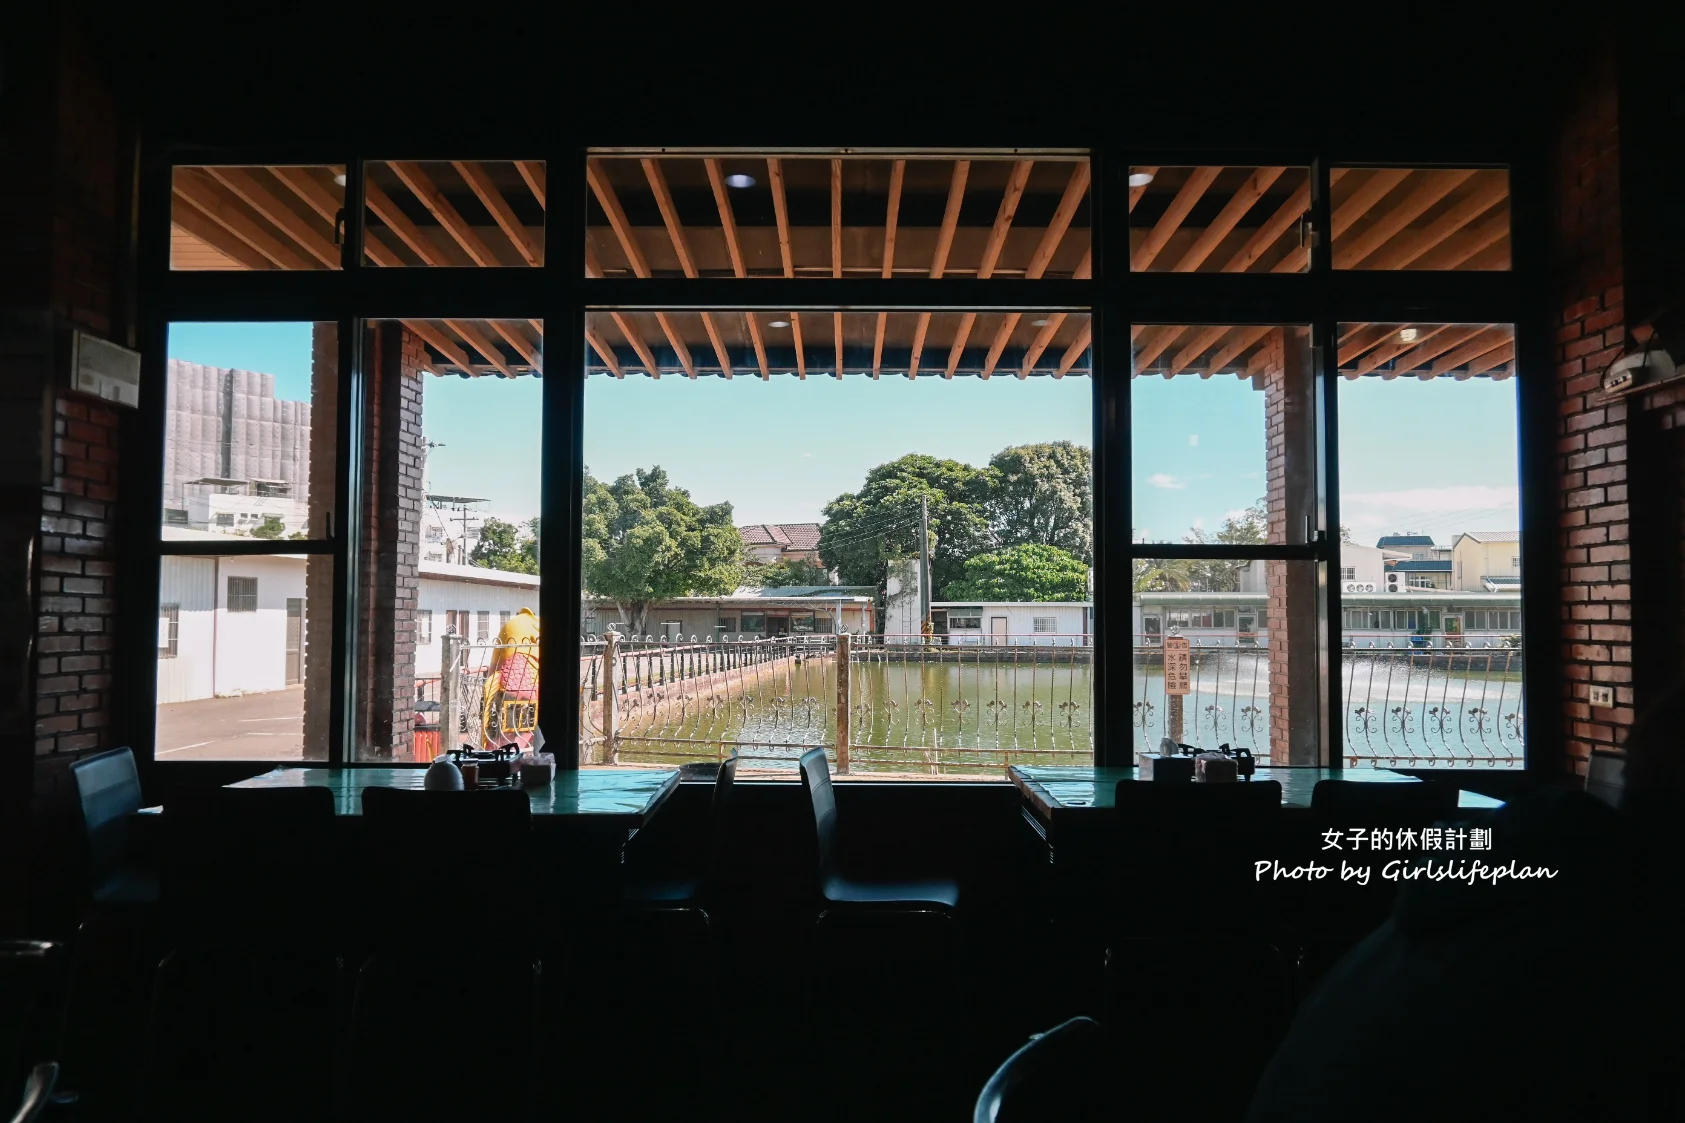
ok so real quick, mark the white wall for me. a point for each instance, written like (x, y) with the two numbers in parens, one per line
(221, 653)
(466, 588)
(1071, 621)
(1367, 562)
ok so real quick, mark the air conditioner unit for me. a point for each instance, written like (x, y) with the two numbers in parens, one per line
(1360, 586)
(1397, 583)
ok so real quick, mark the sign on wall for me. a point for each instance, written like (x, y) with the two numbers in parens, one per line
(1178, 665)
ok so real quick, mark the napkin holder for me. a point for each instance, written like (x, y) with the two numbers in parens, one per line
(537, 769)
(1174, 764)
(1214, 768)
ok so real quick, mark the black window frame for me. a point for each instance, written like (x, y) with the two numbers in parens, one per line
(559, 294)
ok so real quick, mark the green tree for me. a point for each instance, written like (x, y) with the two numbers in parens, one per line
(1022, 573)
(797, 571)
(529, 545)
(864, 529)
(270, 527)
(1244, 528)
(501, 547)
(643, 541)
(1044, 494)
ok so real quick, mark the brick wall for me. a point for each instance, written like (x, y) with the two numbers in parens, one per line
(1593, 439)
(1292, 619)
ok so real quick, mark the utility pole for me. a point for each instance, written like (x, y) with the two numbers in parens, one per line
(924, 561)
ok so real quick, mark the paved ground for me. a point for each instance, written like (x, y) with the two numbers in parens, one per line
(251, 727)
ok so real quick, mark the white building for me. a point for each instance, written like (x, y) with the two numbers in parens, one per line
(1028, 623)
(467, 601)
(1486, 561)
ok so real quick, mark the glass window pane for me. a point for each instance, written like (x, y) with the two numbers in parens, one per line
(452, 489)
(249, 430)
(231, 218)
(1251, 683)
(1218, 219)
(1223, 434)
(851, 214)
(465, 213)
(243, 657)
(1424, 218)
(984, 430)
(1438, 680)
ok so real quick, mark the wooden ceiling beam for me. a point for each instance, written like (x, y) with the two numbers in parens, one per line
(1242, 201)
(1365, 196)
(1362, 339)
(1237, 344)
(1411, 246)
(441, 342)
(836, 256)
(424, 189)
(1135, 193)
(1015, 184)
(604, 352)
(596, 177)
(781, 215)
(1493, 359)
(1076, 188)
(1266, 236)
(532, 171)
(1495, 256)
(193, 222)
(402, 228)
(892, 219)
(1430, 348)
(1477, 346)
(1466, 244)
(734, 250)
(1196, 347)
(477, 340)
(328, 205)
(473, 173)
(523, 347)
(1198, 181)
(1386, 352)
(939, 258)
(1076, 349)
(204, 194)
(245, 186)
(687, 262)
(1424, 193)
(1160, 342)
(636, 339)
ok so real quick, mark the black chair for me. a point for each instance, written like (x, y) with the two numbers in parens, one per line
(109, 788)
(31, 1006)
(37, 1092)
(1358, 803)
(843, 894)
(693, 893)
(252, 916)
(449, 948)
(1606, 776)
(1058, 1077)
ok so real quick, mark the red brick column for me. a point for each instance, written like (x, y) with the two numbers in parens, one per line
(1595, 520)
(1290, 465)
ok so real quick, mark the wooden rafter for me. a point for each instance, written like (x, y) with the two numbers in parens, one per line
(442, 343)
(424, 189)
(1428, 190)
(477, 340)
(1075, 350)
(201, 193)
(402, 228)
(939, 259)
(1493, 359)
(1386, 352)
(474, 175)
(781, 215)
(635, 338)
(1467, 245)
(1475, 347)
(687, 262)
(1361, 340)
(1495, 256)
(1432, 346)
(897, 175)
(244, 185)
(1015, 184)
(328, 205)
(1290, 212)
(1408, 247)
(1195, 347)
(1364, 197)
(1044, 337)
(1242, 201)
(1198, 181)
(836, 255)
(1135, 193)
(604, 352)
(1157, 345)
(194, 223)
(532, 171)
(1237, 344)
(523, 347)
(734, 249)
(597, 179)
(1075, 189)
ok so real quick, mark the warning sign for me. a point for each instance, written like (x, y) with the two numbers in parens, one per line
(1178, 665)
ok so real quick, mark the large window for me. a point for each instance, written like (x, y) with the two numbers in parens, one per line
(1323, 501)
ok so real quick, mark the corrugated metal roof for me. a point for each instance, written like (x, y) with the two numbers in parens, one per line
(1432, 565)
(1492, 535)
(1403, 540)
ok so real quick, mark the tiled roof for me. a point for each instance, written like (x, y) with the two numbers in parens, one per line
(1492, 535)
(1404, 540)
(791, 536)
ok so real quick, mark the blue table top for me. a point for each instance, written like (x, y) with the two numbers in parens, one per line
(1064, 790)
(626, 796)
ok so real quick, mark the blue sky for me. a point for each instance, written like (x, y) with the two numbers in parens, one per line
(1437, 456)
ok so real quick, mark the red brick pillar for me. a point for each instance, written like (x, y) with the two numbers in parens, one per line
(1290, 451)
(1592, 440)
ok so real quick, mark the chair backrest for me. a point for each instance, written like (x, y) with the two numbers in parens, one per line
(37, 1092)
(256, 863)
(1606, 776)
(31, 1006)
(1359, 803)
(1059, 1075)
(109, 789)
(719, 826)
(450, 868)
(816, 781)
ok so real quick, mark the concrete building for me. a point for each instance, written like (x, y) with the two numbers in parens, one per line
(234, 453)
(748, 613)
(1014, 623)
(1486, 561)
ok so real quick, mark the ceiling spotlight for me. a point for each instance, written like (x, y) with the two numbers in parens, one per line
(1140, 179)
(340, 179)
(740, 180)
(778, 323)
(1038, 323)
(1407, 335)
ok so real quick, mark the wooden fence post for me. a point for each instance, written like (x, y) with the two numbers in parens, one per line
(611, 649)
(844, 645)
